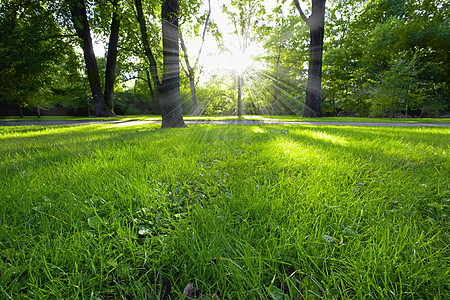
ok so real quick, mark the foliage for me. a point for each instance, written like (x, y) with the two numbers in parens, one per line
(219, 96)
(30, 49)
(379, 40)
(285, 38)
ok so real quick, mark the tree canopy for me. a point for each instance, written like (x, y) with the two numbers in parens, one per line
(365, 58)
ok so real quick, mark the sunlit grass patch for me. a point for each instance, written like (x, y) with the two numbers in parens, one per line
(241, 211)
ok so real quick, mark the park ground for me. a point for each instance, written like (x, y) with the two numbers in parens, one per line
(261, 211)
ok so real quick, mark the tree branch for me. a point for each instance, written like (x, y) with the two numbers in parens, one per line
(134, 51)
(134, 77)
(204, 34)
(302, 14)
(186, 58)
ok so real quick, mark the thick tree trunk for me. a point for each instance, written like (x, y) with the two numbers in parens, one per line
(148, 52)
(316, 23)
(38, 111)
(170, 93)
(111, 61)
(80, 22)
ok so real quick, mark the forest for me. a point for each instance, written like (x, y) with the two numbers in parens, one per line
(371, 58)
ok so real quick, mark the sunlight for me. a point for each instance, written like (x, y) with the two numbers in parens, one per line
(240, 62)
(258, 130)
(228, 62)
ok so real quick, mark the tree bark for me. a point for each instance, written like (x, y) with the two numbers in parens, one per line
(111, 61)
(148, 52)
(81, 24)
(170, 93)
(314, 85)
(316, 24)
(155, 104)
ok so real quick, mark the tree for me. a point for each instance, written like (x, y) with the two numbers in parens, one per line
(148, 53)
(190, 69)
(168, 89)
(243, 13)
(170, 93)
(389, 57)
(82, 28)
(285, 40)
(316, 24)
(81, 25)
(111, 61)
(31, 45)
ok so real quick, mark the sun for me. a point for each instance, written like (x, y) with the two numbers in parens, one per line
(240, 62)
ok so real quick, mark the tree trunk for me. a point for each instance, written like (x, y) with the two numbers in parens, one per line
(196, 109)
(274, 101)
(170, 93)
(275, 93)
(20, 112)
(313, 88)
(87, 99)
(316, 24)
(155, 104)
(38, 111)
(80, 22)
(111, 61)
(240, 83)
(148, 52)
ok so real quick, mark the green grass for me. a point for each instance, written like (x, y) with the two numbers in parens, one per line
(245, 212)
(246, 117)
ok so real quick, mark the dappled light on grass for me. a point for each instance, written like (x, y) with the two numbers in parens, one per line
(326, 137)
(292, 152)
(258, 129)
(238, 210)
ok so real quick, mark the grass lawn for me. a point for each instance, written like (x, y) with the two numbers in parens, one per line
(243, 212)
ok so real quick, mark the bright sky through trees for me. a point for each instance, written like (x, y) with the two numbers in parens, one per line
(214, 59)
